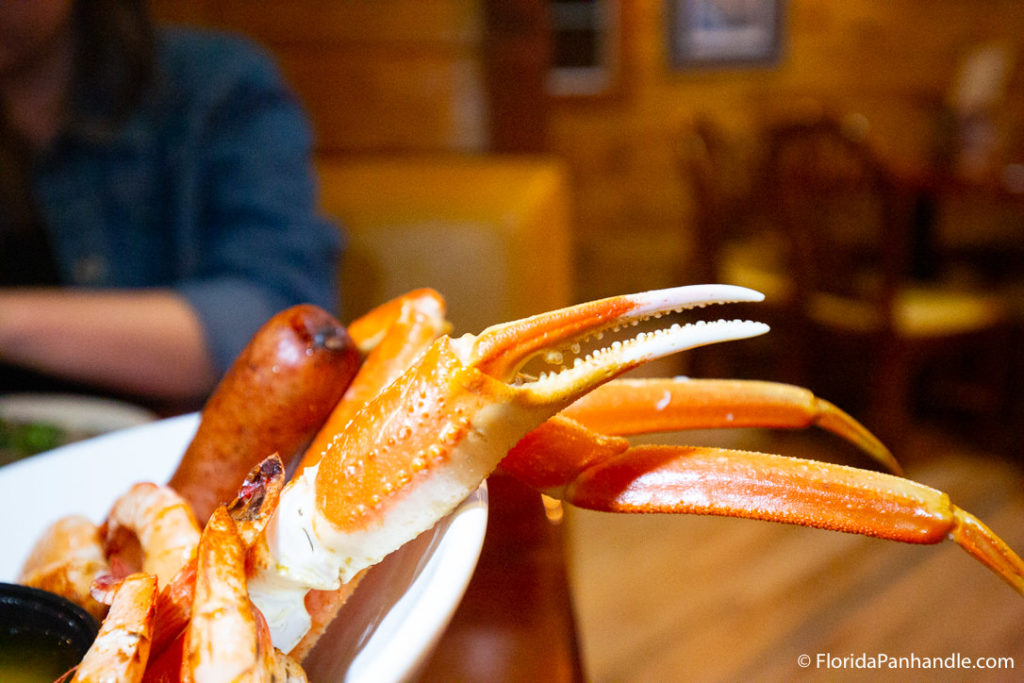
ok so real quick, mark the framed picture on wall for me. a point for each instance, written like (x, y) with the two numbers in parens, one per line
(724, 32)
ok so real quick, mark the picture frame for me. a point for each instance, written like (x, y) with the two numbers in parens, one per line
(723, 33)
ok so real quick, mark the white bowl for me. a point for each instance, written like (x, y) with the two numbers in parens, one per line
(407, 599)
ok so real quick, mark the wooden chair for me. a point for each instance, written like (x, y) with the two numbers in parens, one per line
(728, 247)
(846, 226)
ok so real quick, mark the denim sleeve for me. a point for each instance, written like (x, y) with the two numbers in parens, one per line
(260, 245)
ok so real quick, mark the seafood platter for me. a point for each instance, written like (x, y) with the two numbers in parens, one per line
(332, 491)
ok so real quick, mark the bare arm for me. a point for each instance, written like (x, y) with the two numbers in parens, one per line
(146, 342)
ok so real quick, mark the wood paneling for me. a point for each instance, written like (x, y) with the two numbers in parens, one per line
(408, 75)
(892, 62)
(516, 55)
(393, 75)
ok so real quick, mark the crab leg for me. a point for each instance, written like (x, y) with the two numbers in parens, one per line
(422, 445)
(644, 406)
(392, 336)
(570, 462)
(371, 329)
(395, 333)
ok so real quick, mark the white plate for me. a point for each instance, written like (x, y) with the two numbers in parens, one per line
(385, 631)
(88, 414)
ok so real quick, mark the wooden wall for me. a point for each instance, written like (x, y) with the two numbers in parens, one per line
(409, 76)
(891, 61)
(386, 75)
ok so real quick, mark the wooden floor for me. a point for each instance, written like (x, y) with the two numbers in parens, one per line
(662, 598)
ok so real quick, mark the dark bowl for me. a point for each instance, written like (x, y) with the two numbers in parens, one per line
(42, 635)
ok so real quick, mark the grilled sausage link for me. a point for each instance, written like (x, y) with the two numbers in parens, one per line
(273, 399)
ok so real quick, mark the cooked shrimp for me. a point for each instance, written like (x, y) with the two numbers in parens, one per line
(153, 521)
(121, 649)
(65, 560)
(227, 638)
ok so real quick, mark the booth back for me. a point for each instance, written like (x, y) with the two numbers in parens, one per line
(490, 233)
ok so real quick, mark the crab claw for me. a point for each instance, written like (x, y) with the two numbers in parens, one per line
(429, 439)
(644, 406)
(569, 462)
(501, 350)
(455, 413)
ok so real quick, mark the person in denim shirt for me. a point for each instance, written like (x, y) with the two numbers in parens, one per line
(157, 200)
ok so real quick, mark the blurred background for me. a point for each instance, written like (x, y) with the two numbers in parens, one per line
(860, 162)
(654, 128)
